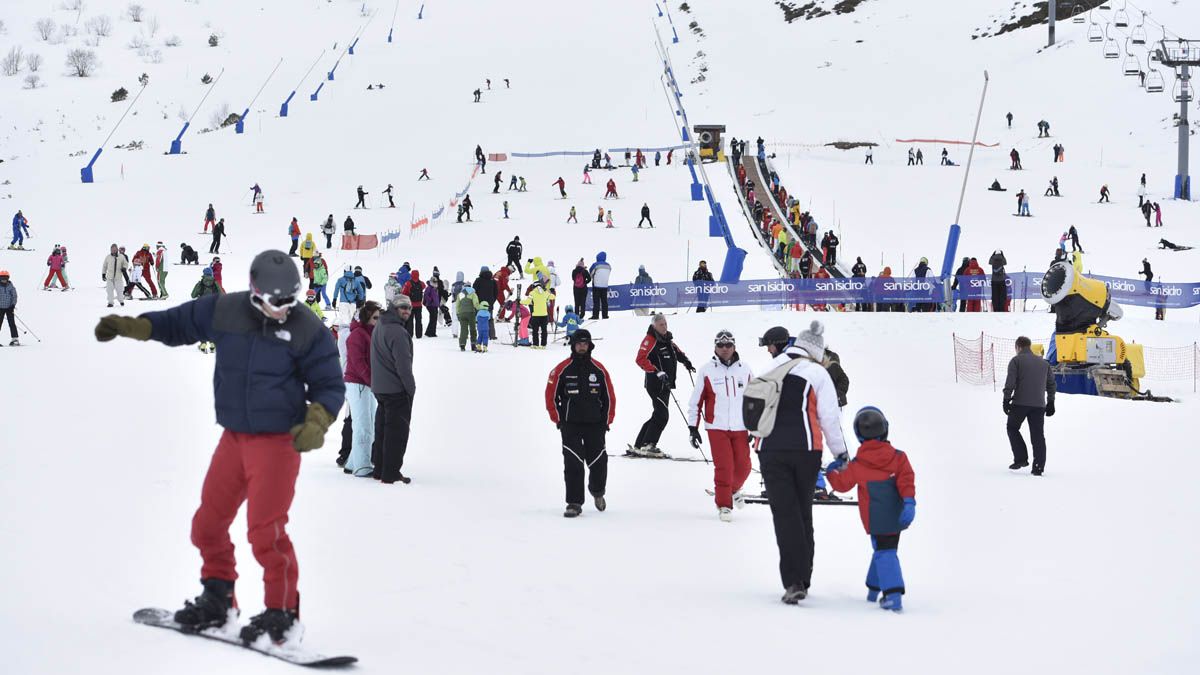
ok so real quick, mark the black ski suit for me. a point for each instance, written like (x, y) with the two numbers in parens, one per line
(582, 403)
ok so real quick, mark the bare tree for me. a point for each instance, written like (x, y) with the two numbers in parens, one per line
(72, 5)
(33, 81)
(153, 25)
(135, 12)
(173, 41)
(45, 28)
(33, 61)
(219, 116)
(82, 62)
(67, 30)
(11, 64)
(100, 25)
(138, 42)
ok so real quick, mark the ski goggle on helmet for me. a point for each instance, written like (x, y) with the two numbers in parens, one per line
(274, 280)
(724, 338)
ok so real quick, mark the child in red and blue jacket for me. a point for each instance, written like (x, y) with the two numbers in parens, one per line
(886, 501)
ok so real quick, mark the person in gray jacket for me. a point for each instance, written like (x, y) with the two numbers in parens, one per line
(394, 388)
(1028, 395)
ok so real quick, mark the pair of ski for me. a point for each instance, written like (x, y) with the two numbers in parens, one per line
(230, 634)
(762, 499)
(631, 454)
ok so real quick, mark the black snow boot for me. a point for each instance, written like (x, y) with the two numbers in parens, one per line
(573, 510)
(210, 608)
(277, 623)
(794, 594)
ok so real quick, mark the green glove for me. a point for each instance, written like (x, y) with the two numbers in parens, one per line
(311, 434)
(126, 326)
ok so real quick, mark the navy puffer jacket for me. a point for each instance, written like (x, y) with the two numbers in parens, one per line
(266, 372)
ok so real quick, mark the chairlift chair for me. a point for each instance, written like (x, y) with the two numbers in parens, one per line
(1094, 33)
(1105, 6)
(1111, 50)
(1181, 92)
(1077, 14)
(1132, 65)
(1138, 35)
(1154, 81)
(1121, 18)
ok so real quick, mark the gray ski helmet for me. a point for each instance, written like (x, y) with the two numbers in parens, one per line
(870, 425)
(777, 335)
(274, 279)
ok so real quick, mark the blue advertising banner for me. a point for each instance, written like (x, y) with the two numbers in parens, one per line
(894, 290)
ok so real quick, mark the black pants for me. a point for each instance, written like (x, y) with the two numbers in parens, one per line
(1075, 245)
(328, 240)
(446, 315)
(347, 440)
(392, 419)
(599, 302)
(537, 326)
(790, 479)
(391, 202)
(652, 429)
(580, 300)
(360, 204)
(583, 447)
(647, 219)
(1037, 419)
(414, 323)
(295, 243)
(10, 313)
(431, 329)
(999, 298)
(515, 265)
(216, 245)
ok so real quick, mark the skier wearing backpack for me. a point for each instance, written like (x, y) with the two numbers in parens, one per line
(793, 408)
(659, 357)
(717, 396)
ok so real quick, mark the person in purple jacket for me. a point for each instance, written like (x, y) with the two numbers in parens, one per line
(358, 390)
(431, 299)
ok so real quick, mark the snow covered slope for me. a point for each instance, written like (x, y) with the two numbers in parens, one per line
(472, 568)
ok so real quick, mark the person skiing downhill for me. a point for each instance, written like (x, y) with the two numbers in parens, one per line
(288, 391)
(717, 397)
(582, 404)
(20, 229)
(218, 231)
(562, 187)
(8, 307)
(658, 356)
(210, 217)
(362, 198)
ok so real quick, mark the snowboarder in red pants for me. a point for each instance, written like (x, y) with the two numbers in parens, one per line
(718, 397)
(288, 390)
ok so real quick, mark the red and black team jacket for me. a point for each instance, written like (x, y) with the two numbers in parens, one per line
(884, 479)
(579, 391)
(659, 353)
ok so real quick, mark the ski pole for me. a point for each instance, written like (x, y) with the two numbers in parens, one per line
(26, 327)
(684, 417)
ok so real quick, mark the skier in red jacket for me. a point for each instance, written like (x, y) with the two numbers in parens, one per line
(562, 186)
(611, 189)
(886, 501)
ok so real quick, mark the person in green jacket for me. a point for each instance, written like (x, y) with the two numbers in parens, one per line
(468, 304)
(206, 286)
(320, 278)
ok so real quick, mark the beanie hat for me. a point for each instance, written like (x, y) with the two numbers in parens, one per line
(401, 302)
(812, 341)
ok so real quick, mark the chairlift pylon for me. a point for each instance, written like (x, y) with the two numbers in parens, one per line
(1138, 35)
(1094, 34)
(1132, 65)
(1111, 50)
(1121, 18)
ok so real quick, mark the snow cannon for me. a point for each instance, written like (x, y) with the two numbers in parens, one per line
(1085, 358)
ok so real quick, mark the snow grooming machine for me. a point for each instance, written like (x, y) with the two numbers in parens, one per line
(1085, 358)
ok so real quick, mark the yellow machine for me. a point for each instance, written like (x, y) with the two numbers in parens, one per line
(1082, 349)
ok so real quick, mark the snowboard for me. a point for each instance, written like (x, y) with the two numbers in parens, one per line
(228, 634)
(761, 499)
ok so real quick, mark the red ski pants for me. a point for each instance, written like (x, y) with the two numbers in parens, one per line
(731, 463)
(207, 222)
(149, 279)
(53, 274)
(260, 469)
